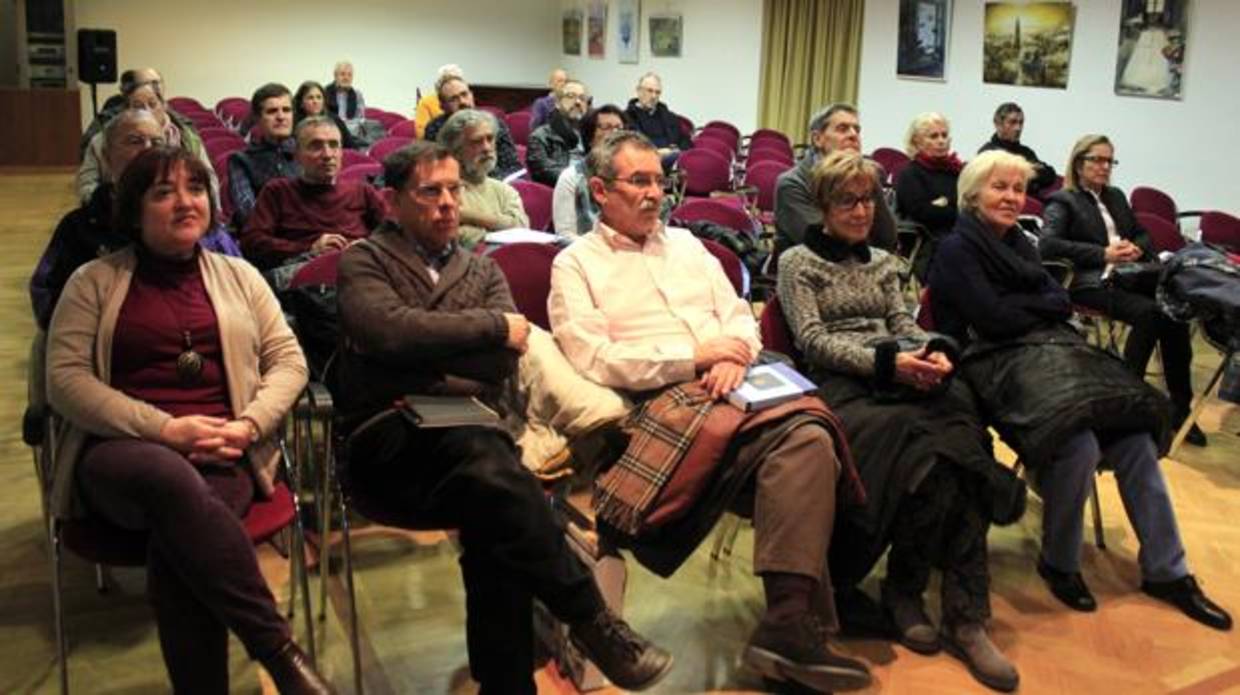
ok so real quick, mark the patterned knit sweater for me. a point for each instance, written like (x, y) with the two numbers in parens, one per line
(838, 311)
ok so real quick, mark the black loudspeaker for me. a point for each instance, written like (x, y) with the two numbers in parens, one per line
(96, 56)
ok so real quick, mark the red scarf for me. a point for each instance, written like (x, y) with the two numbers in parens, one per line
(949, 162)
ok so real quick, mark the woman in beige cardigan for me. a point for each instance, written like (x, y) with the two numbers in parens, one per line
(172, 367)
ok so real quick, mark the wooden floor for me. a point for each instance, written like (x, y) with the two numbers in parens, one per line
(412, 607)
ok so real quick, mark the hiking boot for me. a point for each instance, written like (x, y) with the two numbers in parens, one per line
(629, 660)
(970, 643)
(796, 650)
(913, 628)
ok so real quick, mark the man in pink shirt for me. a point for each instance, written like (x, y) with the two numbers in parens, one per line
(641, 307)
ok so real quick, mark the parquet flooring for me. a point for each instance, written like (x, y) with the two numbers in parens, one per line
(412, 608)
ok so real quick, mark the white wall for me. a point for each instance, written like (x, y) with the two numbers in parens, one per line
(716, 76)
(220, 48)
(1183, 147)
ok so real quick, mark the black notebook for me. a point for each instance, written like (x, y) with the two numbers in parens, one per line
(448, 411)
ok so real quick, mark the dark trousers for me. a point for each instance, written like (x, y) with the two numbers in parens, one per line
(470, 478)
(942, 524)
(1149, 326)
(202, 574)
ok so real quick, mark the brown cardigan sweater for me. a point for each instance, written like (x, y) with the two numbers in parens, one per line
(263, 364)
(402, 333)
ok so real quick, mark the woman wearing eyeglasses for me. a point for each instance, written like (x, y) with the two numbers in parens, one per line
(1090, 224)
(933, 484)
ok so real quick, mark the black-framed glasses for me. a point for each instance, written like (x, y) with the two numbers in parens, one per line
(642, 180)
(848, 201)
(1096, 159)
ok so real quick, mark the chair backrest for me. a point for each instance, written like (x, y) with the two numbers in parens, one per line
(363, 172)
(686, 125)
(890, 159)
(1033, 206)
(536, 199)
(212, 131)
(707, 140)
(1153, 201)
(763, 176)
(1164, 235)
(519, 125)
(717, 211)
(773, 327)
(350, 157)
(206, 120)
(770, 154)
(494, 111)
(728, 135)
(521, 150)
(770, 145)
(403, 129)
(711, 125)
(1221, 229)
(385, 146)
(925, 316)
(185, 105)
(731, 263)
(321, 270)
(222, 146)
(389, 120)
(705, 171)
(528, 270)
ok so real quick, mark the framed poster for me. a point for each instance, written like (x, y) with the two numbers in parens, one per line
(1028, 44)
(571, 28)
(921, 51)
(1151, 48)
(628, 24)
(666, 34)
(596, 29)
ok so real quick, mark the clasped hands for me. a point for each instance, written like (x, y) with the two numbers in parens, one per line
(1122, 251)
(206, 439)
(921, 370)
(723, 363)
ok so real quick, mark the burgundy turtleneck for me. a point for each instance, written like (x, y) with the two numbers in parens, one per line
(165, 299)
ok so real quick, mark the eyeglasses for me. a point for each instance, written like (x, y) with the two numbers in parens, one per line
(431, 194)
(1102, 160)
(575, 97)
(136, 140)
(848, 201)
(642, 180)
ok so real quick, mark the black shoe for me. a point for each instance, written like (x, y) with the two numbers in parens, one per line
(1184, 593)
(861, 616)
(1068, 587)
(629, 660)
(1195, 436)
(913, 628)
(293, 674)
(796, 650)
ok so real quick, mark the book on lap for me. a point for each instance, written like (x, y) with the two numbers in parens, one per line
(448, 411)
(768, 385)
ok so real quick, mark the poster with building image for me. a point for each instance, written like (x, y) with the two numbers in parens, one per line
(628, 23)
(1152, 37)
(571, 27)
(596, 29)
(921, 51)
(1028, 43)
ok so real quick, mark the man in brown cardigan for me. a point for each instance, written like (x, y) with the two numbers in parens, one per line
(419, 315)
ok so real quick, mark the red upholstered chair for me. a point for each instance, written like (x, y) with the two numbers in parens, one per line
(704, 172)
(536, 199)
(726, 134)
(773, 327)
(233, 110)
(1164, 234)
(731, 263)
(184, 105)
(527, 268)
(206, 120)
(763, 177)
(1033, 207)
(217, 146)
(350, 157)
(1221, 229)
(1152, 201)
(364, 172)
(770, 154)
(768, 134)
(217, 131)
(723, 125)
(686, 125)
(890, 159)
(494, 111)
(706, 140)
(521, 150)
(925, 315)
(403, 128)
(714, 210)
(385, 146)
(519, 125)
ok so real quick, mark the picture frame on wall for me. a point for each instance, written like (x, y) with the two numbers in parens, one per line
(1028, 44)
(628, 30)
(1152, 38)
(666, 34)
(596, 29)
(922, 38)
(571, 29)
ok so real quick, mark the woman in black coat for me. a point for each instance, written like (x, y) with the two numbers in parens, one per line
(1063, 405)
(926, 188)
(1090, 224)
(309, 101)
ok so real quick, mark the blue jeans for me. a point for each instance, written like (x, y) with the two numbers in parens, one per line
(1065, 484)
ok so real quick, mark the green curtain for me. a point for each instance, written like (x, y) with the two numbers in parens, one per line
(811, 56)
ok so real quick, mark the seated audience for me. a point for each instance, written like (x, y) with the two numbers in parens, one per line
(1009, 124)
(486, 205)
(118, 102)
(834, 128)
(923, 453)
(573, 209)
(553, 145)
(345, 100)
(173, 370)
(1062, 405)
(271, 150)
(420, 315)
(314, 212)
(1090, 224)
(428, 107)
(176, 132)
(637, 306)
(87, 232)
(542, 107)
(926, 188)
(454, 95)
(309, 101)
(651, 117)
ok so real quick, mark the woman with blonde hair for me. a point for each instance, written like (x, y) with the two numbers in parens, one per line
(926, 188)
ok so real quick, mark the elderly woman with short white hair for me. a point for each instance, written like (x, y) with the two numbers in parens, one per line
(1064, 406)
(926, 188)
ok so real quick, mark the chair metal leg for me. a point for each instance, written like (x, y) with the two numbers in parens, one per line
(1200, 404)
(298, 581)
(58, 616)
(1096, 506)
(326, 487)
(354, 642)
(101, 579)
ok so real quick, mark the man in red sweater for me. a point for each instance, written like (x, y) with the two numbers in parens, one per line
(297, 218)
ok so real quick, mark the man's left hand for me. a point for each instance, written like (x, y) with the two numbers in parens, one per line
(723, 378)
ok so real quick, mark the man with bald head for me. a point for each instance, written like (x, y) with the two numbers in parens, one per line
(545, 105)
(345, 100)
(117, 102)
(651, 117)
